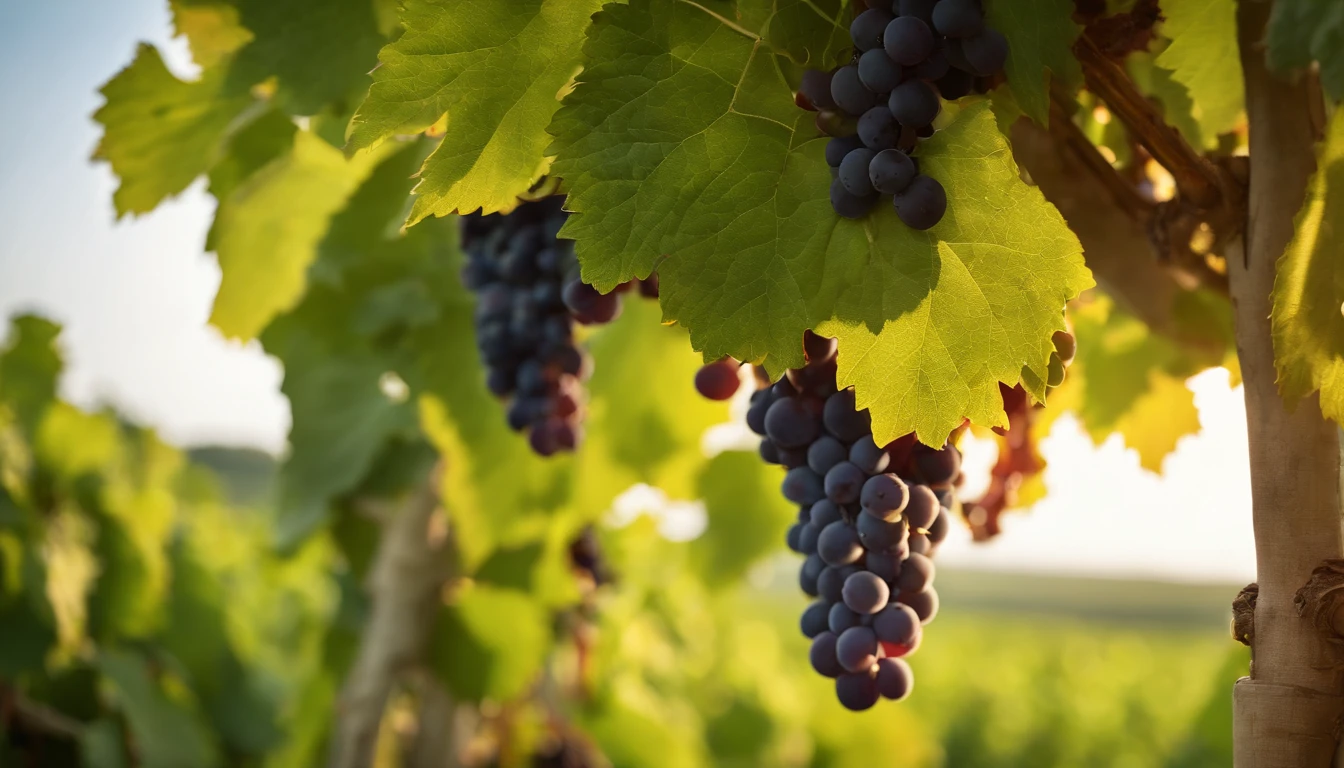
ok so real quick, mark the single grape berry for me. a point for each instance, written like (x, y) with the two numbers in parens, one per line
(925, 604)
(937, 466)
(958, 18)
(914, 103)
(831, 583)
(865, 455)
(807, 538)
(837, 148)
(813, 622)
(878, 72)
(921, 508)
(880, 535)
(854, 172)
(816, 86)
(938, 531)
(986, 52)
(856, 649)
(866, 29)
(842, 419)
(790, 424)
(891, 171)
(824, 453)
(907, 40)
(857, 691)
(838, 544)
(803, 486)
(922, 204)
(718, 380)
(841, 618)
(843, 482)
(793, 538)
(916, 574)
(823, 657)
(849, 92)
(865, 593)
(823, 513)
(807, 575)
(918, 543)
(894, 679)
(878, 130)
(884, 496)
(1055, 372)
(848, 205)
(897, 624)
(1065, 345)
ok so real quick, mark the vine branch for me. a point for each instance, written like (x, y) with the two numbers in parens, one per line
(1197, 179)
(404, 582)
(38, 717)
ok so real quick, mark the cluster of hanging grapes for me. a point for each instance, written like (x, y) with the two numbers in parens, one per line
(869, 520)
(529, 298)
(906, 54)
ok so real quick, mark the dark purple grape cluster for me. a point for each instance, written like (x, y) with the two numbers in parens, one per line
(869, 520)
(528, 298)
(907, 53)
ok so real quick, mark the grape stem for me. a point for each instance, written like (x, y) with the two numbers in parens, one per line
(1198, 180)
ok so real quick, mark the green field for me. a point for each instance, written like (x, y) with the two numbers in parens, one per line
(1023, 670)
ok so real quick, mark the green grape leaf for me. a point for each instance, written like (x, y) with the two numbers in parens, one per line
(251, 148)
(268, 231)
(1129, 380)
(160, 133)
(682, 150)
(100, 744)
(490, 644)
(1301, 31)
(497, 70)
(198, 637)
(30, 366)
(747, 516)
(1309, 287)
(1203, 56)
(1040, 37)
(168, 734)
(320, 51)
(341, 419)
(211, 28)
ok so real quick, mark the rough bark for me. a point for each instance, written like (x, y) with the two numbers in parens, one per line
(1288, 712)
(405, 580)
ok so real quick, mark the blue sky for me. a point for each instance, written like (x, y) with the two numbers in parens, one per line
(135, 296)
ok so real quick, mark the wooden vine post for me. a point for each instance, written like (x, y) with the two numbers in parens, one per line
(1290, 710)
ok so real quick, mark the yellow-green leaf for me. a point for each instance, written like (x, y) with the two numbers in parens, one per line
(498, 71)
(159, 132)
(1203, 56)
(1308, 314)
(266, 242)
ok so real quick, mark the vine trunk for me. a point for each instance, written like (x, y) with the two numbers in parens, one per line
(1289, 710)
